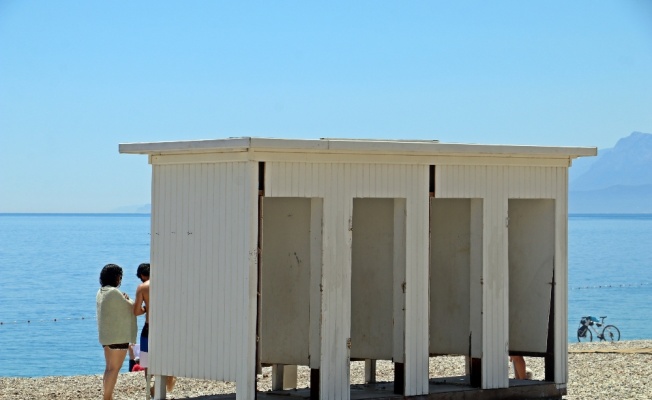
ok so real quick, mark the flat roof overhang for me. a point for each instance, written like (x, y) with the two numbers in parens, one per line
(421, 147)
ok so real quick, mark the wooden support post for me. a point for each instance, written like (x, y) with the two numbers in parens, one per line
(549, 359)
(369, 371)
(277, 377)
(159, 387)
(399, 378)
(476, 372)
(148, 385)
(284, 377)
(314, 384)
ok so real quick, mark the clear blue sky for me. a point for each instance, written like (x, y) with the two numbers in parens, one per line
(77, 78)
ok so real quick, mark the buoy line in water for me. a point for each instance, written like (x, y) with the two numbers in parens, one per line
(622, 285)
(43, 320)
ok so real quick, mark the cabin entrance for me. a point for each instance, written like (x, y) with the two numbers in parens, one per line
(531, 256)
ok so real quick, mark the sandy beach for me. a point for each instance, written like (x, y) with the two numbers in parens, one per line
(596, 371)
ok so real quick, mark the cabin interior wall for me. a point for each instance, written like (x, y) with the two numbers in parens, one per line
(372, 278)
(531, 254)
(285, 281)
(450, 275)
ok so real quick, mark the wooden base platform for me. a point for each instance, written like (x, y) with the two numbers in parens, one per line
(450, 388)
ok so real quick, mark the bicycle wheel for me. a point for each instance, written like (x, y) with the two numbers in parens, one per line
(611, 333)
(584, 334)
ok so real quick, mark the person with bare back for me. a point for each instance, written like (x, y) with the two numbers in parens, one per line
(142, 306)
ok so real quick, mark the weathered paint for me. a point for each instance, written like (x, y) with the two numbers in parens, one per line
(203, 272)
(496, 185)
(205, 232)
(338, 185)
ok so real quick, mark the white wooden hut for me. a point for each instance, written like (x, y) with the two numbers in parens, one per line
(317, 252)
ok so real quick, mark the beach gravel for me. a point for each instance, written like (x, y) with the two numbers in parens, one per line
(596, 371)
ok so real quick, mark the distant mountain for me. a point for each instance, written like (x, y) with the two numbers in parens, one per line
(618, 180)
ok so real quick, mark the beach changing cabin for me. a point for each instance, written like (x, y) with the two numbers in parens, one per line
(318, 252)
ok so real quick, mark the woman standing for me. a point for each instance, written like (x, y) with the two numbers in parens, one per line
(116, 324)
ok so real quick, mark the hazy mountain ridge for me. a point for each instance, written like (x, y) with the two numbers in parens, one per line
(618, 180)
(628, 163)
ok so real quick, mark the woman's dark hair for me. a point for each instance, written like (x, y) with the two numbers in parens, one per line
(110, 275)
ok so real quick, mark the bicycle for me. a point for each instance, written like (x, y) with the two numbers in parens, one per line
(587, 324)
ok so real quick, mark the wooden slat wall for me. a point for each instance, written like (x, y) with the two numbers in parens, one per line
(495, 185)
(338, 184)
(203, 258)
(203, 280)
(560, 177)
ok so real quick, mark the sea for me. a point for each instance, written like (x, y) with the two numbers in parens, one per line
(50, 265)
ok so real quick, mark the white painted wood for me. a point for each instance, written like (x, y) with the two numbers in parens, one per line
(159, 387)
(561, 278)
(363, 159)
(372, 279)
(531, 262)
(495, 270)
(378, 147)
(286, 281)
(416, 277)
(204, 237)
(450, 276)
(369, 371)
(344, 182)
(336, 284)
(400, 215)
(199, 210)
(476, 284)
(284, 377)
(246, 379)
(316, 251)
(495, 185)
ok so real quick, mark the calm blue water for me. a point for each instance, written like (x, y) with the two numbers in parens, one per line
(50, 264)
(49, 269)
(610, 272)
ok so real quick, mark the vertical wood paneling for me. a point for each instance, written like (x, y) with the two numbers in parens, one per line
(338, 184)
(561, 277)
(495, 184)
(345, 270)
(204, 252)
(207, 243)
(157, 249)
(194, 246)
(495, 296)
(417, 241)
(246, 379)
(199, 365)
(229, 236)
(400, 215)
(316, 251)
(201, 293)
(476, 286)
(182, 339)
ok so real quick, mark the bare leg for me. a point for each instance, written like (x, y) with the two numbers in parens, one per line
(170, 382)
(519, 367)
(114, 360)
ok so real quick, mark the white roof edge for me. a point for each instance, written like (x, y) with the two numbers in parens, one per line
(420, 147)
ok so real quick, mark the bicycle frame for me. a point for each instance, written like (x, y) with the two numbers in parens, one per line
(592, 325)
(597, 328)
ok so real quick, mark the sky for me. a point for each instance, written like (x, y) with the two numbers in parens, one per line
(77, 78)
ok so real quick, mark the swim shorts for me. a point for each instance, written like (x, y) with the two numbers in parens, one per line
(144, 346)
(118, 346)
